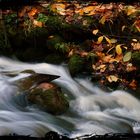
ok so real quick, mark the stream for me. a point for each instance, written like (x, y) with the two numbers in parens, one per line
(92, 110)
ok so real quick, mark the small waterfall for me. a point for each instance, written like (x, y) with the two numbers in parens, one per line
(91, 109)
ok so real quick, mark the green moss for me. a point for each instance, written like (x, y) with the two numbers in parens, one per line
(51, 100)
(76, 64)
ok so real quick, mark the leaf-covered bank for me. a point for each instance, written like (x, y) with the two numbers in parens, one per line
(100, 39)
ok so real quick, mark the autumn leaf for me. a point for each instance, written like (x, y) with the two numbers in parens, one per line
(136, 46)
(95, 31)
(37, 23)
(100, 39)
(119, 49)
(133, 84)
(108, 59)
(113, 40)
(102, 20)
(108, 40)
(88, 9)
(123, 27)
(134, 40)
(102, 68)
(112, 78)
(130, 67)
(32, 12)
(127, 57)
(130, 10)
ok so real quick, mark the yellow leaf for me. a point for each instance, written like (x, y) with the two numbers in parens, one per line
(95, 31)
(130, 10)
(118, 49)
(102, 20)
(88, 9)
(123, 27)
(112, 78)
(100, 39)
(108, 40)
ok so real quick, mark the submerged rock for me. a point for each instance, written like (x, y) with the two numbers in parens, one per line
(49, 97)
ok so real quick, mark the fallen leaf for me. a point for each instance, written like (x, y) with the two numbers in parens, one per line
(136, 46)
(95, 31)
(100, 39)
(134, 40)
(108, 40)
(37, 23)
(123, 27)
(133, 84)
(102, 20)
(88, 9)
(130, 67)
(108, 59)
(127, 57)
(71, 53)
(112, 78)
(118, 49)
(130, 10)
(113, 40)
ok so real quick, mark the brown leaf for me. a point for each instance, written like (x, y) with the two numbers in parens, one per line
(136, 46)
(130, 67)
(112, 78)
(133, 84)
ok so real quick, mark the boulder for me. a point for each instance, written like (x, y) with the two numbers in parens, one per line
(49, 97)
(34, 80)
(76, 64)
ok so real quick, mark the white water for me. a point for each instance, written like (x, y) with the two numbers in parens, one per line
(91, 109)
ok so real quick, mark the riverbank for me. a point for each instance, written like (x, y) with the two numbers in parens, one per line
(101, 40)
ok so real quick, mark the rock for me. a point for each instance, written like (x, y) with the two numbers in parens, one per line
(28, 71)
(76, 64)
(34, 80)
(49, 97)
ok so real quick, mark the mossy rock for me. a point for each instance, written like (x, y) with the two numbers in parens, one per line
(51, 100)
(136, 58)
(52, 41)
(76, 64)
(34, 80)
(28, 71)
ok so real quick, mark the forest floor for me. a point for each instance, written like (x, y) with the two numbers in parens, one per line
(100, 39)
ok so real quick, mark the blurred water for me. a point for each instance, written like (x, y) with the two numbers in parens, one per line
(91, 109)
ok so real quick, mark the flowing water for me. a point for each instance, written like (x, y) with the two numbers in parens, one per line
(91, 109)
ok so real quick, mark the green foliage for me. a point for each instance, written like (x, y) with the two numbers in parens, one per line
(42, 17)
(62, 47)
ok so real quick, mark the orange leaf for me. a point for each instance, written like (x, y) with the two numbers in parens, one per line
(32, 12)
(133, 84)
(88, 9)
(37, 23)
